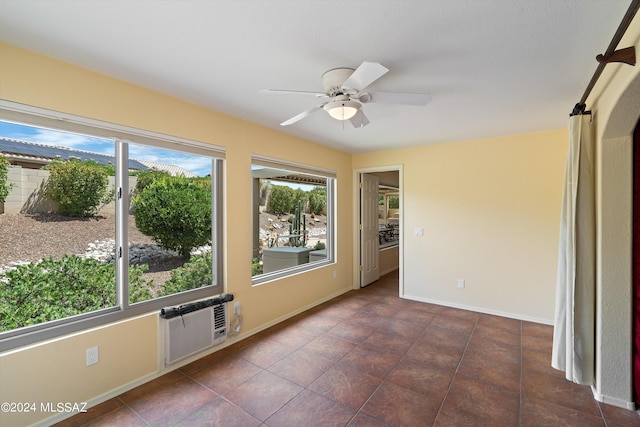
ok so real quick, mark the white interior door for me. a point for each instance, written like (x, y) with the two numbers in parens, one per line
(369, 244)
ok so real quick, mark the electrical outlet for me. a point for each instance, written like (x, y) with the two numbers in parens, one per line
(335, 274)
(236, 308)
(461, 283)
(92, 356)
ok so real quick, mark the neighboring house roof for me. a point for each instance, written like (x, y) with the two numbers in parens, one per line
(46, 153)
(173, 170)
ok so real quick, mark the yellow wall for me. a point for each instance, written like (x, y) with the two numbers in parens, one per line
(490, 213)
(55, 371)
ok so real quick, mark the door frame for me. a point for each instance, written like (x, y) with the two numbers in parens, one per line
(356, 223)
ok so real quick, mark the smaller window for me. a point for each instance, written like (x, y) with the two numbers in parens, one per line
(292, 219)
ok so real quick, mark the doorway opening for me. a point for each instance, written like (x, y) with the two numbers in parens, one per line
(379, 225)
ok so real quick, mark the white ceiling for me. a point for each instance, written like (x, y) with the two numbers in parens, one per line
(493, 67)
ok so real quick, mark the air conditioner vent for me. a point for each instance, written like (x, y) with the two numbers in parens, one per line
(219, 317)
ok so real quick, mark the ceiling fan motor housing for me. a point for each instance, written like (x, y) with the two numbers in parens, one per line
(333, 80)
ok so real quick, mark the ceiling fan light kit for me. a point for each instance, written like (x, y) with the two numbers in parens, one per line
(342, 110)
(345, 89)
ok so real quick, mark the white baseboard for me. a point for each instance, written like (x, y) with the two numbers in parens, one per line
(614, 401)
(61, 416)
(516, 316)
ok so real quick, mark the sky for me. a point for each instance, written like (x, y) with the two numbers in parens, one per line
(199, 165)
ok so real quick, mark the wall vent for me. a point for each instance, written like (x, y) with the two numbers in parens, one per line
(193, 332)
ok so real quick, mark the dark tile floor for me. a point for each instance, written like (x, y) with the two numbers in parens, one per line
(369, 358)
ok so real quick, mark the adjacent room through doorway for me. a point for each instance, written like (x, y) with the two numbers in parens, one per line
(379, 225)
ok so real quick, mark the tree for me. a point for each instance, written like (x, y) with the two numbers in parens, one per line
(176, 212)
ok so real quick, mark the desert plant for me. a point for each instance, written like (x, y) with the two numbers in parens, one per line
(79, 187)
(175, 212)
(56, 289)
(5, 186)
(298, 227)
(300, 197)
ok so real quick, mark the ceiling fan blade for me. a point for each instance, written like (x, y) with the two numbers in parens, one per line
(294, 92)
(359, 120)
(363, 76)
(301, 116)
(400, 98)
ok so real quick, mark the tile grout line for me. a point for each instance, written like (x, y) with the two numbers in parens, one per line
(521, 397)
(455, 372)
(360, 410)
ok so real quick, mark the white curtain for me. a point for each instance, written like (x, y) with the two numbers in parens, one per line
(574, 329)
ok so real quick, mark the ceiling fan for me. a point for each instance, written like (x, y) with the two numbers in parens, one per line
(345, 89)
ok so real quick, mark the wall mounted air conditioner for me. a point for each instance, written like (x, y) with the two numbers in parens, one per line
(193, 332)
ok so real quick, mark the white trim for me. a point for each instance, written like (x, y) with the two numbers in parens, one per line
(276, 163)
(620, 403)
(356, 222)
(60, 416)
(331, 207)
(516, 316)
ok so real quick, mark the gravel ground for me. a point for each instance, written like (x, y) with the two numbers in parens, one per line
(32, 237)
(25, 237)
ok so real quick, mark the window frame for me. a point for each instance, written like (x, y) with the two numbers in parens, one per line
(331, 208)
(121, 135)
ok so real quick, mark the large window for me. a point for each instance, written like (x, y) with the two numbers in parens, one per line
(293, 217)
(97, 229)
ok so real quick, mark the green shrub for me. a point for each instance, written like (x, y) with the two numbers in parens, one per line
(51, 290)
(79, 187)
(5, 187)
(281, 199)
(317, 200)
(256, 267)
(146, 177)
(197, 272)
(176, 212)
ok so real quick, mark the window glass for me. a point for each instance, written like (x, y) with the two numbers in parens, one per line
(292, 220)
(95, 227)
(170, 221)
(58, 226)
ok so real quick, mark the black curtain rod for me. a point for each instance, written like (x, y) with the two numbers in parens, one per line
(626, 21)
